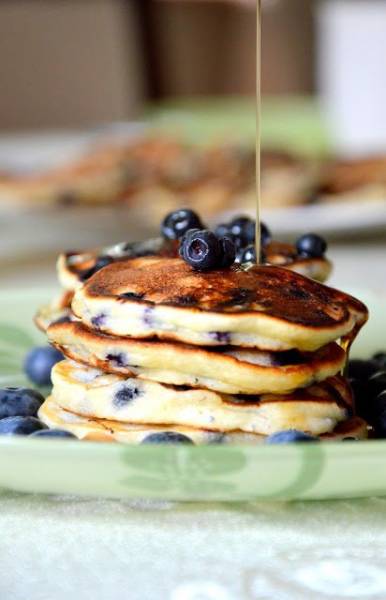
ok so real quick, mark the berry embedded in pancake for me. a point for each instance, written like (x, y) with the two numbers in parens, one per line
(228, 370)
(91, 393)
(264, 307)
(103, 430)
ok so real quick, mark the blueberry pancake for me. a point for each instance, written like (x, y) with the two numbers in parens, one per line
(227, 369)
(74, 268)
(103, 430)
(264, 307)
(58, 310)
(92, 393)
(353, 179)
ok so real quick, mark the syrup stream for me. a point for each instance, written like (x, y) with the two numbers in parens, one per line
(258, 121)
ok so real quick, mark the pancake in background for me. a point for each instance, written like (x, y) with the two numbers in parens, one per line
(353, 179)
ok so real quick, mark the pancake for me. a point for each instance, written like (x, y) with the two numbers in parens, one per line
(58, 310)
(74, 267)
(102, 430)
(265, 307)
(97, 178)
(228, 370)
(285, 255)
(91, 393)
(355, 178)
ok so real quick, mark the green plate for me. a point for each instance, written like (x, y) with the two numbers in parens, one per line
(223, 473)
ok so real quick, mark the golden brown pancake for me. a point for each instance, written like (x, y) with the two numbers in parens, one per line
(103, 430)
(57, 310)
(92, 393)
(229, 370)
(265, 307)
(341, 177)
(74, 268)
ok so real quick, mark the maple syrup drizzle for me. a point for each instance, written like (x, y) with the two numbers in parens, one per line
(258, 133)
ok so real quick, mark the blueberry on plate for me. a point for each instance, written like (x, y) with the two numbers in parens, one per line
(202, 250)
(177, 223)
(379, 422)
(363, 405)
(380, 403)
(53, 433)
(167, 437)
(228, 250)
(39, 362)
(380, 359)
(20, 425)
(377, 383)
(19, 402)
(290, 436)
(362, 369)
(311, 245)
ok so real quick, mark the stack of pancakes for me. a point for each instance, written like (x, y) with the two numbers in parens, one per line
(225, 356)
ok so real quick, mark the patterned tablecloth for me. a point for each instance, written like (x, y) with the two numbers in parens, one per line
(54, 548)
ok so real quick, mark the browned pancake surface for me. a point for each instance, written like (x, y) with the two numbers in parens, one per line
(274, 291)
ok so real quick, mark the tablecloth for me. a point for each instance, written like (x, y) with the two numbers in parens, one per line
(55, 548)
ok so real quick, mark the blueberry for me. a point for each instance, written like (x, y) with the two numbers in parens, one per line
(289, 436)
(177, 223)
(266, 235)
(363, 404)
(248, 255)
(202, 250)
(380, 403)
(19, 402)
(311, 245)
(380, 359)
(101, 262)
(125, 395)
(223, 230)
(250, 232)
(242, 228)
(185, 237)
(20, 425)
(362, 369)
(228, 249)
(39, 362)
(59, 433)
(379, 422)
(377, 383)
(167, 437)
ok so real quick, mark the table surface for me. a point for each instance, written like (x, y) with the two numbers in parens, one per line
(53, 547)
